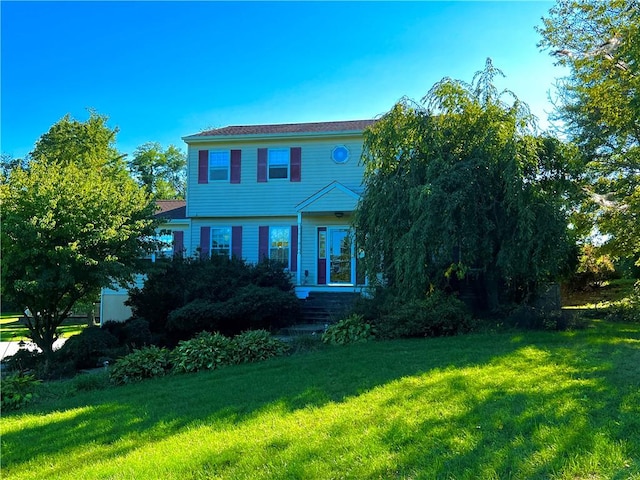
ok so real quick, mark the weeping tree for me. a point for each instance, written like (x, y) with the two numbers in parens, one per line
(457, 185)
(73, 222)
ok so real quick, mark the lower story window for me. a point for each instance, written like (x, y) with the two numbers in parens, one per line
(279, 244)
(221, 241)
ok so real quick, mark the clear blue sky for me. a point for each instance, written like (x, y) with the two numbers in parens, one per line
(162, 70)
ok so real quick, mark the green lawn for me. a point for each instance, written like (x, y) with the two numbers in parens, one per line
(536, 405)
(11, 330)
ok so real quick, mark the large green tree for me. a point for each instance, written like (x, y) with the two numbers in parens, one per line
(161, 172)
(73, 222)
(459, 184)
(599, 105)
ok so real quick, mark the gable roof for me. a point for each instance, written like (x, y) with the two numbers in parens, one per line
(171, 209)
(333, 197)
(285, 129)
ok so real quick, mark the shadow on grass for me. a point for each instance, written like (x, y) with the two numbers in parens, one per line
(509, 418)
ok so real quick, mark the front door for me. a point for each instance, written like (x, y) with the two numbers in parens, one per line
(340, 264)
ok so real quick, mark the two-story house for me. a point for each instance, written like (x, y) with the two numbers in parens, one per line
(285, 192)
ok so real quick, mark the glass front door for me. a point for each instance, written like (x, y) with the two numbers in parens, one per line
(340, 267)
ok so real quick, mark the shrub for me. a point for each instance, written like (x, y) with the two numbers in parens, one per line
(228, 293)
(86, 348)
(438, 314)
(255, 307)
(627, 310)
(252, 308)
(134, 333)
(352, 329)
(206, 351)
(255, 346)
(23, 360)
(17, 391)
(147, 362)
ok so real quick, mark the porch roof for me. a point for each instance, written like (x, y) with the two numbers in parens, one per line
(335, 197)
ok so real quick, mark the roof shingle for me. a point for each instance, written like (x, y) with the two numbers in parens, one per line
(288, 128)
(171, 209)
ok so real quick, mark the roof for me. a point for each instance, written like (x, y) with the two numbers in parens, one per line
(286, 129)
(171, 209)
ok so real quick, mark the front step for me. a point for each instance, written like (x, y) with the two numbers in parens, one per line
(327, 307)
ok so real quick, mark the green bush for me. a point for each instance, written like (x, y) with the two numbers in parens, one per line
(17, 391)
(187, 295)
(627, 310)
(206, 351)
(352, 329)
(85, 349)
(147, 362)
(134, 333)
(255, 346)
(252, 307)
(438, 314)
(23, 361)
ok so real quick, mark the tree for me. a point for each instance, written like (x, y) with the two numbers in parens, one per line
(599, 104)
(8, 163)
(72, 223)
(161, 172)
(459, 184)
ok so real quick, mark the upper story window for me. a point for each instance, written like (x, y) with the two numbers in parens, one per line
(278, 163)
(221, 241)
(219, 165)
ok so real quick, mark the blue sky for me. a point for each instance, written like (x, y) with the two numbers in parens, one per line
(163, 70)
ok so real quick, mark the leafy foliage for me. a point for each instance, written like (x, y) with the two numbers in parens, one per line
(598, 104)
(394, 316)
(206, 351)
(17, 391)
(188, 295)
(89, 347)
(72, 222)
(352, 329)
(461, 185)
(161, 172)
(144, 363)
(256, 346)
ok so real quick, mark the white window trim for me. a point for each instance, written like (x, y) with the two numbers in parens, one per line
(221, 227)
(288, 154)
(288, 230)
(228, 159)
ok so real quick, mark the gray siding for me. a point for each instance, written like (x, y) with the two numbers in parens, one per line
(274, 197)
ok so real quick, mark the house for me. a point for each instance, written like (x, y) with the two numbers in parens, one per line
(173, 229)
(284, 192)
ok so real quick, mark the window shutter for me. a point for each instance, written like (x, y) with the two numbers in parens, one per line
(322, 262)
(205, 241)
(236, 242)
(236, 156)
(294, 248)
(262, 165)
(203, 166)
(296, 164)
(263, 243)
(178, 242)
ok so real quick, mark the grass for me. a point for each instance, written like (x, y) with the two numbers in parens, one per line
(609, 294)
(12, 330)
(534, 405)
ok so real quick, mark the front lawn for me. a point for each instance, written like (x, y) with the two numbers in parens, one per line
(534, 405)
(12, 330)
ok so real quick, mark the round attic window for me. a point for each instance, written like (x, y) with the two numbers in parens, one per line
(340, 154)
